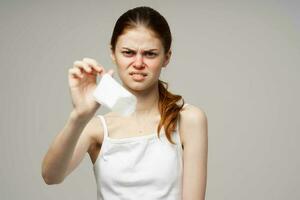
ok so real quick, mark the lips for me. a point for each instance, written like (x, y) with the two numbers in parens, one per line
(141, 73)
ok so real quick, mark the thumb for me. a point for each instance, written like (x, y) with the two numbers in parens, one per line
(111, 72)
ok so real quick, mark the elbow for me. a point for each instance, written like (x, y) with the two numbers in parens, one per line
(50, 179)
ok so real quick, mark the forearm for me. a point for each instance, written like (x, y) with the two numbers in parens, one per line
(56, 160)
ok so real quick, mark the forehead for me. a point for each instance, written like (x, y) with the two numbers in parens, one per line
(139, 38)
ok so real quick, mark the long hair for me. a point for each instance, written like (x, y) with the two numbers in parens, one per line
(153, 20)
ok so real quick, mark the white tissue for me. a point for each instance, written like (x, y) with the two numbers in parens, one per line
(114, 96)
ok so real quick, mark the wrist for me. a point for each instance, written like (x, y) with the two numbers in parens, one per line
(79, 118)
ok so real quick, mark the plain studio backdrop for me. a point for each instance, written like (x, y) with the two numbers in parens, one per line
(237, 60)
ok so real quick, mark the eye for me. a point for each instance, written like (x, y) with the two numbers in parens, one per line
(150, 54)
(127, 53)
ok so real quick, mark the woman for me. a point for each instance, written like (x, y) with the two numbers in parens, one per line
(159, 151)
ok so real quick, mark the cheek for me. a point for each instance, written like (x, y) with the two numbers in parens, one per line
(124, 62)
(155, 66)
(154, 62)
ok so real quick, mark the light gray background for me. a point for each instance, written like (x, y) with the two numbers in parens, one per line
(237, 60)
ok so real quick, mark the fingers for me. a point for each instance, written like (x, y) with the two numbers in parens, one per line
(75, 72)
(110, 72)
(87, 66)
(93, 64)
(84, 67)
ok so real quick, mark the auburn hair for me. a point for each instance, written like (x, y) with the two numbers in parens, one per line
(153, 20)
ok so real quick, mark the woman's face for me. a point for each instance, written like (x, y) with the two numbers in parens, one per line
(139, 56)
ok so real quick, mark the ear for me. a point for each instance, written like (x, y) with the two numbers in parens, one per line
(112, 55)
(113, 58)
(167, 58)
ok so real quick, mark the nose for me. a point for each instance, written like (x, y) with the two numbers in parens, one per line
(139, 62)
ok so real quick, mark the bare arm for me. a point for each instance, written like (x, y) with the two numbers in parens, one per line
(195, 128)
(68, 148)
(80, 132)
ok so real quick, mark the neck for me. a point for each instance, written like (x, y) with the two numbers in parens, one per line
(147, 102)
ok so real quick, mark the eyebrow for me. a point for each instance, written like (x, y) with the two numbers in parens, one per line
(133, 50)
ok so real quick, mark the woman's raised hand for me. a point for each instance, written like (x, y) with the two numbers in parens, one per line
(82, 83)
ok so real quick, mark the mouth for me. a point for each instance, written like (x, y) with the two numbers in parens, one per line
(138, 73)
(138, 76)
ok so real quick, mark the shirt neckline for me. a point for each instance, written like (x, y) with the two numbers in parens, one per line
(134, 138)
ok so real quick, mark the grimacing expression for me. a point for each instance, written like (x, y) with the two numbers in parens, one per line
(139, 56)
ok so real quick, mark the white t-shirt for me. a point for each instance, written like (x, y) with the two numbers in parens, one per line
(139, 168)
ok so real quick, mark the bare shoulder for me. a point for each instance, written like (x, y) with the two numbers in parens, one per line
(98, 128)
(192, 112)
(192, 118)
